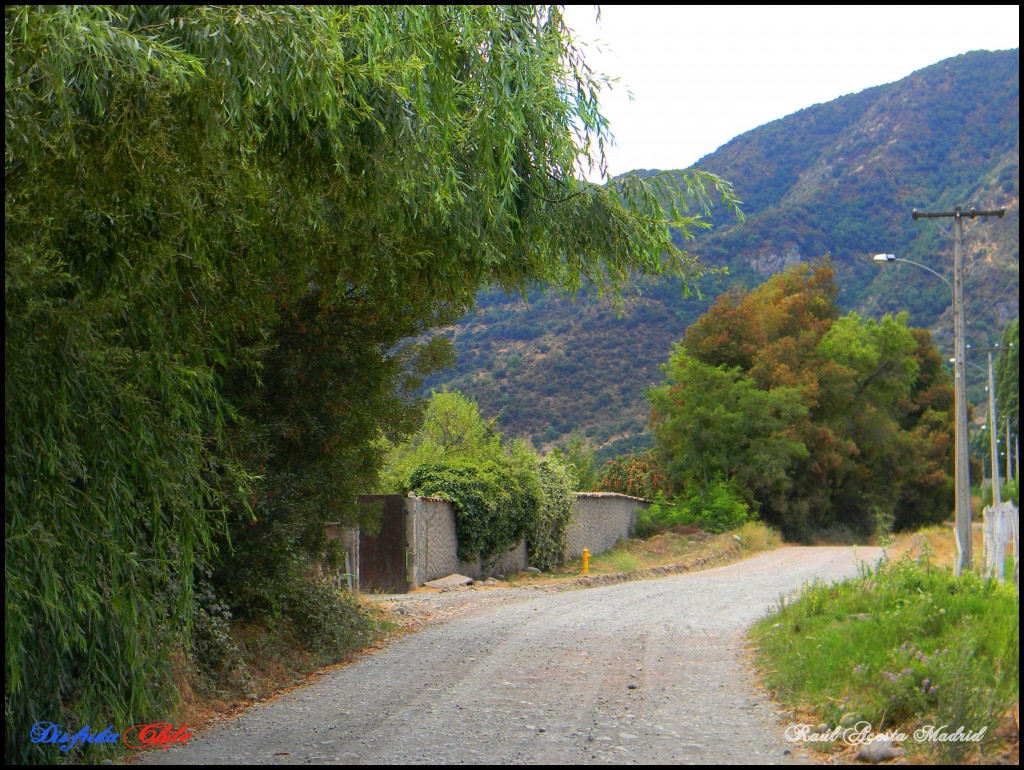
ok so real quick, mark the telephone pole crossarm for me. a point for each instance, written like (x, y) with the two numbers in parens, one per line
(958, 212)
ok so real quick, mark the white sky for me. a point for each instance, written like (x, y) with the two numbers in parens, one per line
(702, 75)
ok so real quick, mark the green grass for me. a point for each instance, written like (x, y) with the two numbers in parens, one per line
(756, 536)
(666, 549)
(619, 560)
(904, 646)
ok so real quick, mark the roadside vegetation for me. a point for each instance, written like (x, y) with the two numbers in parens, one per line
(686, 548)
(229, 234)
(234, 663)
(775, 402)
(905, 646)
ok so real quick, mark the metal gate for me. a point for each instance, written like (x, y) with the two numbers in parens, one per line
(382, 557)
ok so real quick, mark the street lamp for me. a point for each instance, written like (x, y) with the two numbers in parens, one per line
(894, 258)
(961, 463)
(963, 481)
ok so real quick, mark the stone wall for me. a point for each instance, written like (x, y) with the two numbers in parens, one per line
(600, 520)
(508, 563)
(431, 540)
(433, 546)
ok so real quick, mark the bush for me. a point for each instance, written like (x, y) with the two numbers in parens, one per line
(757, 536)
(211, 647)
(660, 516)
(545, 540)
(904, 646)
(498, 504)
(639, 475)
(307, 623)
(494, 503)
(325, 620)
(716, 507)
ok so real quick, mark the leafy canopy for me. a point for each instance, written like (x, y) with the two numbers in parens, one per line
(224, 226)
(822, 422)
(502, 492)
(453, 430)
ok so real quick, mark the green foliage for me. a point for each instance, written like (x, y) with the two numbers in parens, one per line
(312, 624)
(214, 652)
(223, 226)
(757, 536)
(1009, 492)
(325, 393)
(580, 459)
(905, 645)
(659, 516)
(639, 475)
(323, 619)
(878, 355)
(494, 503)
(1007, 377)
(501, 492)
(498, 503)
(813, 417)
(453, 430)
(715, 507)
(711, 421)
(619, 560)
(545, 537)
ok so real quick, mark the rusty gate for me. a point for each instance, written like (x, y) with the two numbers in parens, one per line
(382, 557)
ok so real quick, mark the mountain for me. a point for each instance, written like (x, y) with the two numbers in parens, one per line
(837, 179)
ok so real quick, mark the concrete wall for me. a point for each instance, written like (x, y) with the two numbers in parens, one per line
(433, 546)
(599, 521)
(430, 539)
(508, 563)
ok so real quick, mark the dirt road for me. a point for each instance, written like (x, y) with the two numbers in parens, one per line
(653, 671)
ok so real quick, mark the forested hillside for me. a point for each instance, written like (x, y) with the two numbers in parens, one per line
(836, 179)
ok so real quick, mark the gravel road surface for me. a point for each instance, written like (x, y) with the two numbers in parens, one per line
(653, 671)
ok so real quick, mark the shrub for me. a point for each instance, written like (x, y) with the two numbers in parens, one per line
(660, 516)
(494, 503)
(757, 536)
(212, 649)
(499, 503)
(906, 645)
(716, 507)
(545, 540)
(325, 620)
(639, 475)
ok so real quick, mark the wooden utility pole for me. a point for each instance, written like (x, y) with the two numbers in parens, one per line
(962, 472)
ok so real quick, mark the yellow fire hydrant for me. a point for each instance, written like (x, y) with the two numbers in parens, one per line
(586, 562)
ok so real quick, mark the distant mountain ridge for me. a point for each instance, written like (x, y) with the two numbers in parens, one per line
(836, 179)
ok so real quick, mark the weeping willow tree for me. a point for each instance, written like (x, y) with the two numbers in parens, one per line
(223, 226)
